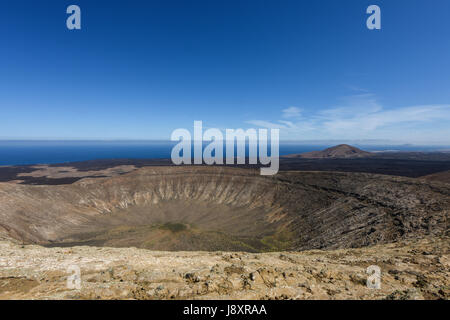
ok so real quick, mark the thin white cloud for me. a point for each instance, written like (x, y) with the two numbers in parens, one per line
(267, 124)
(382, 118)
(291, 112)
(361, 116)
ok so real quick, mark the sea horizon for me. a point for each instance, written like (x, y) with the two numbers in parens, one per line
(33, 152)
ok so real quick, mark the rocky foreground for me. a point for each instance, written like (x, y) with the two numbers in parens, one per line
(410, 270)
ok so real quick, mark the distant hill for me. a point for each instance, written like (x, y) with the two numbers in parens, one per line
(339, 151)
(439, 176)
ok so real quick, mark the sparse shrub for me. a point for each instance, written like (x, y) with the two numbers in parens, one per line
(174, 227)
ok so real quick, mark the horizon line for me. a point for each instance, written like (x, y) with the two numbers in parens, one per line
(383, 142)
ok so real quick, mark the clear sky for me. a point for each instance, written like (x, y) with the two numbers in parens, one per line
(140, 69)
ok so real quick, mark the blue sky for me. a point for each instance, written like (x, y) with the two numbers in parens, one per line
(140, 69)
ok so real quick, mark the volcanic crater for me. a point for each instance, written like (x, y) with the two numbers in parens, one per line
(226, 209)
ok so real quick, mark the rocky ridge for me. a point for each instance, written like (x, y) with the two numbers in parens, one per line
(418, 269)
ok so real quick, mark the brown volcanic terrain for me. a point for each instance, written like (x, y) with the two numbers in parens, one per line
(341, 158)
(218, 229)
(409, 270)
(218, 208)
(439, 176)
(339, 151)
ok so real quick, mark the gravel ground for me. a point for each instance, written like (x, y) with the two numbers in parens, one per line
(409, 270)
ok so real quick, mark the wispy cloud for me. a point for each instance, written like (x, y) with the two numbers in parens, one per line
(362, 116)
(291, 112)
(267, 124)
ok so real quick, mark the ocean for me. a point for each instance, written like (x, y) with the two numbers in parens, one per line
(47, 152)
